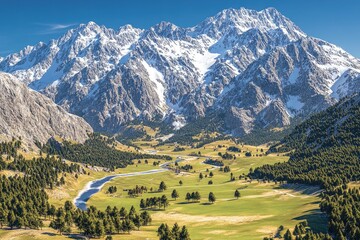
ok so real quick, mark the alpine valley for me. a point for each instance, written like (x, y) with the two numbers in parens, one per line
(249, 69)
(241, 127)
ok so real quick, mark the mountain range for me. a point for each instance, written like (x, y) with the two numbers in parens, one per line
(254, 68)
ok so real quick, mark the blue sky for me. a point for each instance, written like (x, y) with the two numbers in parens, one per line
(27, 22)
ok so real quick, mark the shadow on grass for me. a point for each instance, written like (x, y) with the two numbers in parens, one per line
(154, 209)
(186, 202)
(301, 188)
(68, 235)
(206, 203)
(233, 199)
(316, 219)
(49, 234)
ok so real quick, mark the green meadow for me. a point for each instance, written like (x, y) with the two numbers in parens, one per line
(259, 211)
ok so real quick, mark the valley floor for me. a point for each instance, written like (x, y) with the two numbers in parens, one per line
(260, 210)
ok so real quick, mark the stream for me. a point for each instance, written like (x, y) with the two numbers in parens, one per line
(95, 186)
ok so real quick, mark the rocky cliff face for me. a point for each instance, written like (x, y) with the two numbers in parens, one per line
(298, 79)
(31, 116)
(258, 68)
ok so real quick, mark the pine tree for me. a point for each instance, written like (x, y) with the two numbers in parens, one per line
(59, 224)
(11, 219)
(118, 224)
(175, 231)
(184, 234)
(146, 218)
(288, 235)
(212, 197)
(3, 217)
(237, 194)
(188, 197)
(164, 201)
(99, 229)
(127, 225)
(162, 186)
(142, 204)
(164, 232)
(174, 194)
(197, 196)
(123, 212)
(132, 212)
(296, 230)
(137, 221)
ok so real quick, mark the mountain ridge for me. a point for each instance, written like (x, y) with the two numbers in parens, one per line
(174, 74)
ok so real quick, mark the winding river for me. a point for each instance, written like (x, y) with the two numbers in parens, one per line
(95, 186)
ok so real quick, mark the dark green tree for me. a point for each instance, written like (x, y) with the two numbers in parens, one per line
(237, 194)
(184, 234)
(174, 194)
(162, 186)
(212, 197)
(288, 235)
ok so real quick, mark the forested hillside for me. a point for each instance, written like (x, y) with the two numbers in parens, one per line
(337, 126)
(98, 151)
(326, 151)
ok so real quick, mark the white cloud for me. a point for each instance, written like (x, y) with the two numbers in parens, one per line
(51, 28)
(60, 26)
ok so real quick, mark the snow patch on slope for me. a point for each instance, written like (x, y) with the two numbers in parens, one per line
(179, 122)
(203, 61)
(293, 104)
(343, 84)
(339, 86)
(294, 75)
(158, 79)
(50, 77)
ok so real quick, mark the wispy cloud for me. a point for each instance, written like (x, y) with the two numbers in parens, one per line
(60, 26)
(51, 28)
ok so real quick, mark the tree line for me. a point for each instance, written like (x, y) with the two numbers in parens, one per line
(96, 223)
(97, 152)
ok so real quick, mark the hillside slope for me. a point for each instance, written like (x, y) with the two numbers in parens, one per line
(335, 127)
(31, 116)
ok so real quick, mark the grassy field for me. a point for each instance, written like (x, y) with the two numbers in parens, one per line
(260, 210)
(258, 213)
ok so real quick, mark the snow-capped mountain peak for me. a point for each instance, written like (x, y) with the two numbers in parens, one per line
(257, 67)
(243, 20)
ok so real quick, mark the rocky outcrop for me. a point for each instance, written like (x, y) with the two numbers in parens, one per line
(31, 116)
